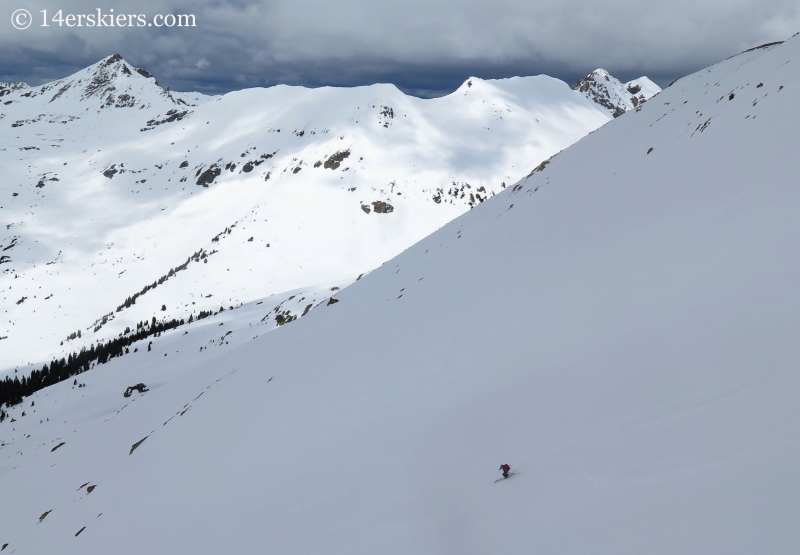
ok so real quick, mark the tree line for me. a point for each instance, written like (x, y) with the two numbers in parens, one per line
(12, 391)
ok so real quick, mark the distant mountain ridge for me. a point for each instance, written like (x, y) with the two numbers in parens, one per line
(610, 93)
(121, 201)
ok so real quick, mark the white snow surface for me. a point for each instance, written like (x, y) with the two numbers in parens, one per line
(99, 193)
(620, 327)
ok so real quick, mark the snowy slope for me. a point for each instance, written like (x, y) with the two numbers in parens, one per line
(110, 185)
(619, 327)
(614, 96)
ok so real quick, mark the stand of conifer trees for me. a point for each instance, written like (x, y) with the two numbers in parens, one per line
(13, 391)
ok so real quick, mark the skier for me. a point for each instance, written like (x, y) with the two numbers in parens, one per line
(506, 469)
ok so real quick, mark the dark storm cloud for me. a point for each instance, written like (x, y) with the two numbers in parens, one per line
(424, 47)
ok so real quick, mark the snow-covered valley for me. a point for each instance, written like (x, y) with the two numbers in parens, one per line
(618, 325)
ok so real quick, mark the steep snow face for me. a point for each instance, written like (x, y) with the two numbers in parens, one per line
(121, 201)
(616, 97)
(624, 337)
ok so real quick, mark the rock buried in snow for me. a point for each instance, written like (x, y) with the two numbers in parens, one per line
(78, 533)
(44, 514)
(332, 301)
(57, 446)
(381, 207)
(140, 387)
(335, 159)
(137, 444)
(209, 175)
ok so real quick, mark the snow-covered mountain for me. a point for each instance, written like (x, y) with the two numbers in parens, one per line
(613, 95)
(619, 326)
(121, 201)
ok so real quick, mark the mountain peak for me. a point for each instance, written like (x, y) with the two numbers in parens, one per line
(616, 97)
(112, 81)
(119, 63)
(105, 75)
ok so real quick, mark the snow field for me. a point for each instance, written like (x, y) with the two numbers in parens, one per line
(618, 326)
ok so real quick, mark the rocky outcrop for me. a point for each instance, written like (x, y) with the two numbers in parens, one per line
(336, 159)
(8, 88)
(140, 387)
(381, 207)
(209, 175)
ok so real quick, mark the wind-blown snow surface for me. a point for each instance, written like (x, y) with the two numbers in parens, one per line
(620, 328)
(109, 184)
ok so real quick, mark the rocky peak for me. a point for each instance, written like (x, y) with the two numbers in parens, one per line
(113, 82)
(105, 75)
(613, 95)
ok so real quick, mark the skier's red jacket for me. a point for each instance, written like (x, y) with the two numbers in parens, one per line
(505, 468)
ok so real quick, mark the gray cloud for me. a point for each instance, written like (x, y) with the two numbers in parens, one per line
(426, 48)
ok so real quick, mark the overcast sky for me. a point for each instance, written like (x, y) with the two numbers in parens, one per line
(425, 47)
